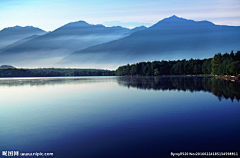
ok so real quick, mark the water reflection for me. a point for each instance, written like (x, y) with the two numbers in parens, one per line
(101, 117)
(219, 87)
(51, 81)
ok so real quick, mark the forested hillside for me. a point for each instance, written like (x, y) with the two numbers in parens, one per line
(226, 64)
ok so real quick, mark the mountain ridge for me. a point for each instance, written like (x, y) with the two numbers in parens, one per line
(167, 39)
(79, 44)
(21, 28)
(11, 35)
(53, 46)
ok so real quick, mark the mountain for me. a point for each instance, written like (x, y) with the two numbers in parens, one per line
(7, 67)
(126, 24)
(79, 44)
(20, 42)
(46, 50)
(11, 35)
(136, 29)
(169, 39)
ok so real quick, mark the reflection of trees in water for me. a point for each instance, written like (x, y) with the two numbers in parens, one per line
(226, 89)
(218, 87)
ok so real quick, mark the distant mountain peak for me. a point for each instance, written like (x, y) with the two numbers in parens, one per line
(81, 22)
(78, 24)
(22, 30)
(177, 22)
(174, 16)
(176, 19)
(20, 27)
(139, 28)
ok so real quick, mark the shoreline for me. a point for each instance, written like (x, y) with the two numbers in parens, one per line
(231, 78)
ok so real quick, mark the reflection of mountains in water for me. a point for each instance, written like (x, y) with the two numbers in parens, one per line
(219, 87)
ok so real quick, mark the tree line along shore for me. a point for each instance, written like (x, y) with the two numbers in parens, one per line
(219, 65)
(53, 72)
(223, 65)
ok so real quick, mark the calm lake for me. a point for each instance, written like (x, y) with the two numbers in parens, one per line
(108, 117)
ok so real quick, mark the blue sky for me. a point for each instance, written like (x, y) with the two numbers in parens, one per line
(51, 14)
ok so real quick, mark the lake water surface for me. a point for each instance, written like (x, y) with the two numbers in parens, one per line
(119, 116)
